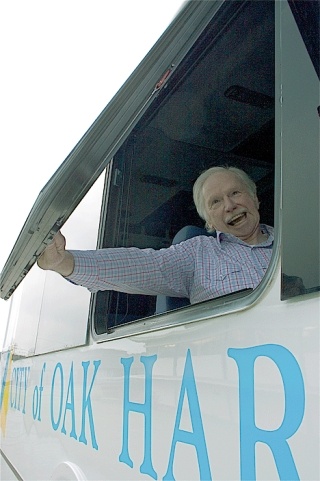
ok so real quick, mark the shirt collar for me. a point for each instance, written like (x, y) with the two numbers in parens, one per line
(265, 229)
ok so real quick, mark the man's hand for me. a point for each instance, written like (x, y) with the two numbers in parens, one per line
(56, 258)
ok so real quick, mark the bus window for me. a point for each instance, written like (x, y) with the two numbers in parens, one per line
(307, 17)
(301, 150)
(217, 108)
(47, 313)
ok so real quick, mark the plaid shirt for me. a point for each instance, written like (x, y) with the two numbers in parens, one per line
(200, 268)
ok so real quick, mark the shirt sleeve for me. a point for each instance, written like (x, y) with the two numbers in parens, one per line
(137, 271)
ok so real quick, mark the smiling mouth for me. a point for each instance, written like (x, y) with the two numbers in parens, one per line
(237, 219)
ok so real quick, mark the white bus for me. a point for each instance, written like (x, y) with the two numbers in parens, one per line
(115, 386)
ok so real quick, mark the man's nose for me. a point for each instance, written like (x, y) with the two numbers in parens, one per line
(229, 204)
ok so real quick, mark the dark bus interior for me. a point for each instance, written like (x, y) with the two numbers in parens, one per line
(217, 108)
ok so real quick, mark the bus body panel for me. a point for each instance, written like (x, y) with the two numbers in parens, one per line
(179, 401)
(227, 389)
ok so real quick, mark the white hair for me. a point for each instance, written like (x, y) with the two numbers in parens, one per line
(198, 187)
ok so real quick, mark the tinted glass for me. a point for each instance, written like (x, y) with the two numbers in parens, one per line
(217, 108)
(300, 159)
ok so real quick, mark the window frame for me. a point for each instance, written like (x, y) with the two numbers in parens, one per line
(294, 118)
(233, 302)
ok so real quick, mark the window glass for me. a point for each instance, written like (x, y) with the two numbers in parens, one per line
(307, 16)
(301, 154)
(49, 313)
(217, 108)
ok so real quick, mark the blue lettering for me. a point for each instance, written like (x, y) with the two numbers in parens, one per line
(19, 383)
(4, 380)
(58, 368)
(18, 388)
(26, 378)
(143, 408)
(35, 402)
(14, 388)
(70, 405)
(196, 437)
(250, 434)
(86, 404)
(40, 391)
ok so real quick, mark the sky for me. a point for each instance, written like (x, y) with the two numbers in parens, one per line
(61, 63)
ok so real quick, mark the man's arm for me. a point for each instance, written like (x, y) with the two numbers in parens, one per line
(56, 258)
(125, 269)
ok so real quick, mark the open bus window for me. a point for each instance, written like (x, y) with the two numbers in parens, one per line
(217, 108)
(307, 15)
(47, 313)
(301, 151)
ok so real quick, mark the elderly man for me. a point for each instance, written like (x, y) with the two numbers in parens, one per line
(201, 268)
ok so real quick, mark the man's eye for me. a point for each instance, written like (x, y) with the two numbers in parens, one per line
(214, 203)
(236, 192)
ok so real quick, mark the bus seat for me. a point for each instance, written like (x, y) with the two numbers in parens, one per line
(166, 303)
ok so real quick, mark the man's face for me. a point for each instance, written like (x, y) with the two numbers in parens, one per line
(230, 208)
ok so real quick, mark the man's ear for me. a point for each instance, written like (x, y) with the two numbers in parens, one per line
(209, 227)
